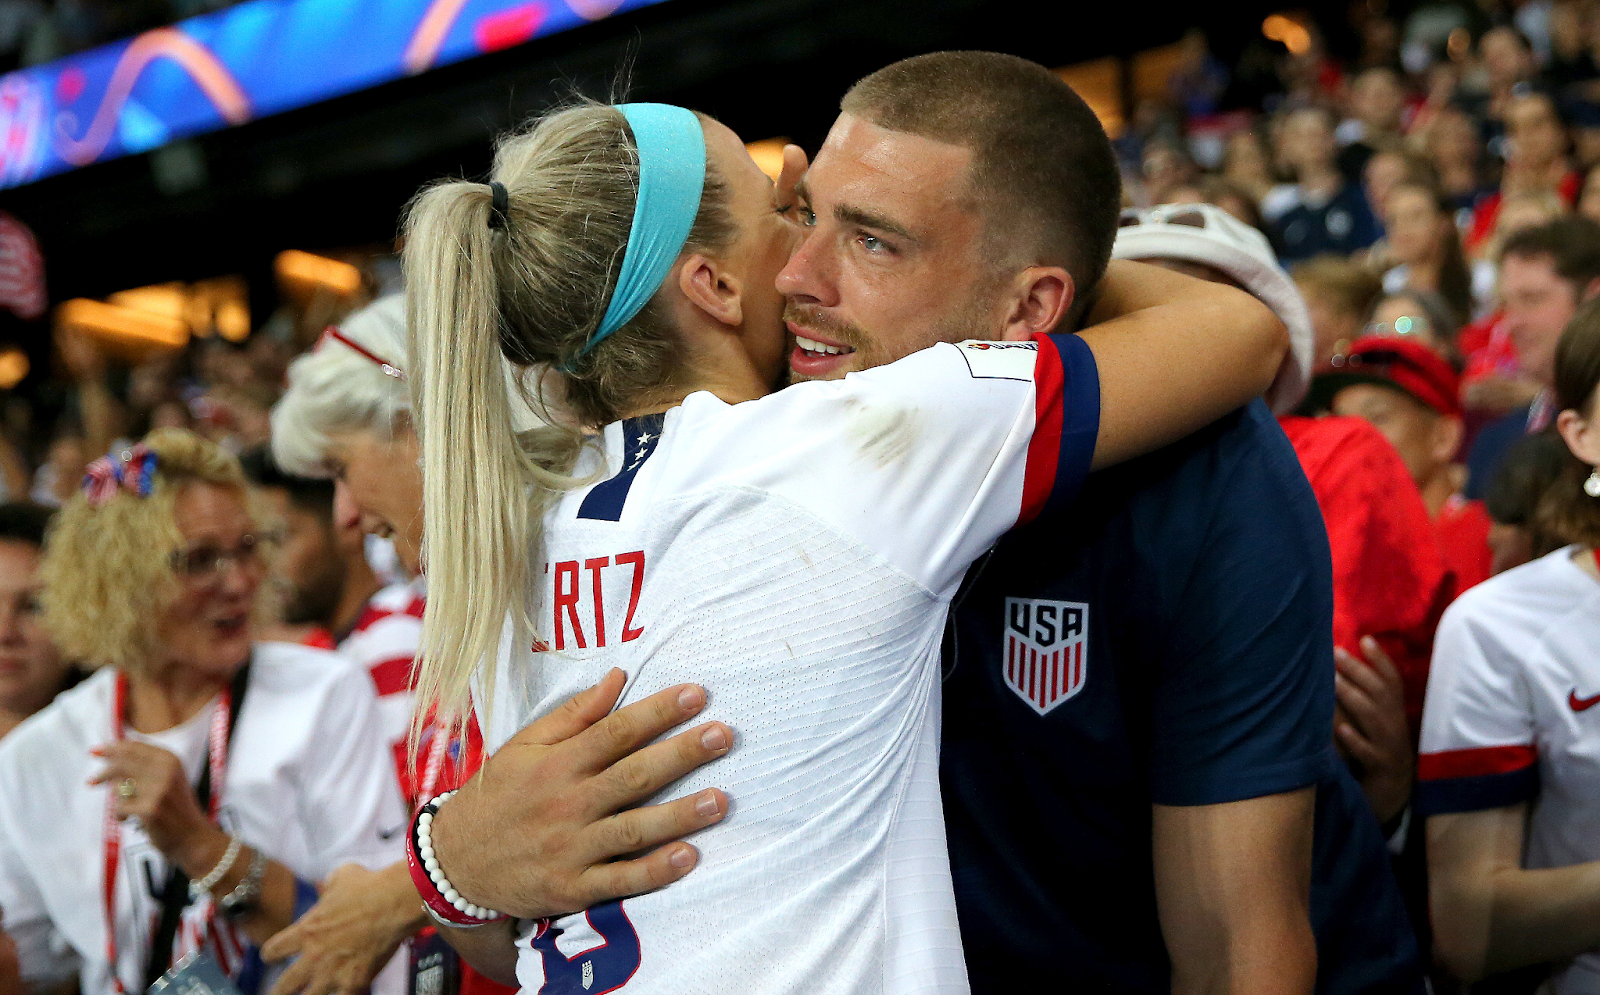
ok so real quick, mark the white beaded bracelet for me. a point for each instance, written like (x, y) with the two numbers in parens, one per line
(205, 884)
(468, 913)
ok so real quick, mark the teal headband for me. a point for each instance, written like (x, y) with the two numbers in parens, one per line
(672, 173)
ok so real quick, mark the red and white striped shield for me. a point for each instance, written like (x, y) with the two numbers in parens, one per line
(1047, 650)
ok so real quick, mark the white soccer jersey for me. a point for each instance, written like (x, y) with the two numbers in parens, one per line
(796, 555)
(1510, 716)
(308, 781)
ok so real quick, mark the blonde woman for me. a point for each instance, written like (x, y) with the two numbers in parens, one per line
(188, 795)
(796, 552)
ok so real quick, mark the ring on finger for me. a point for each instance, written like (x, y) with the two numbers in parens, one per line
(127, 788)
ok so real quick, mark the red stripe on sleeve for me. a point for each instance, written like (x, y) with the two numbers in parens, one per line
(392, 676)
(1044, 450)
(1475, 763)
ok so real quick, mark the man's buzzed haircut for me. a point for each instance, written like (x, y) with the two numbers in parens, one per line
(1571, 243)
(1042, 167)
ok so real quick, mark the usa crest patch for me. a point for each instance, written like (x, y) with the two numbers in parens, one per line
(1046, 650)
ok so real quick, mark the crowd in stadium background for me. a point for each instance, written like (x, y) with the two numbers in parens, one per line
(1423, 216)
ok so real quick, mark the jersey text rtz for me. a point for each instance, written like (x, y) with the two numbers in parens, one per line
(575, 604)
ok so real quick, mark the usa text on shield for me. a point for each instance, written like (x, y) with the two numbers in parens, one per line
(1046, 650)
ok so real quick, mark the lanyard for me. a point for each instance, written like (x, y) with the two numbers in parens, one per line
(217, 765)
(430, 774)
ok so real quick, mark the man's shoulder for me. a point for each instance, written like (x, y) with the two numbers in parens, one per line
(1334, 451)
(1235, 481)
(1242, 456)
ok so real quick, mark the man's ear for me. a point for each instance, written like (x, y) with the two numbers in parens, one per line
(1590, 289)
(709, 286)
(1447, 434)
(1039, 301)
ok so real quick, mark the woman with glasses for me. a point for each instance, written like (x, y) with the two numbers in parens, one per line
(184, 798)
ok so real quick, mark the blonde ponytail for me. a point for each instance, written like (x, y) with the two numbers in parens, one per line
(528, 291)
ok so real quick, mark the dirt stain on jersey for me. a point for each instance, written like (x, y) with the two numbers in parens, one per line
(885, 433)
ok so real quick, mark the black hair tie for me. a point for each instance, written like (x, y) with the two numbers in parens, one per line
(500, 201)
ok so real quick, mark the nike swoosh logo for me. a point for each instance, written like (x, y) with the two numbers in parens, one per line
(1582, 704)
(391, 834)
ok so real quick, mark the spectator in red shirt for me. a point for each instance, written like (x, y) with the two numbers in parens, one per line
(1412, 395)
(1389, 578)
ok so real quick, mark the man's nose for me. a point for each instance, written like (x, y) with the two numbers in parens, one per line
(10, 626)
(807, 276)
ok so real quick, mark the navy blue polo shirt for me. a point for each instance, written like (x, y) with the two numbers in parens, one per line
(1342, 225)
(1189, 593)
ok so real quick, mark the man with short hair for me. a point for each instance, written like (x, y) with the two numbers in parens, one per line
(1377, 106)
(1545, 273)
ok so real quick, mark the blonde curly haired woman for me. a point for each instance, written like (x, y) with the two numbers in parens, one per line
(181, 799)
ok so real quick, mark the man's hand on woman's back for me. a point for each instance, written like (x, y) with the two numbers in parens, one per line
(542, 828)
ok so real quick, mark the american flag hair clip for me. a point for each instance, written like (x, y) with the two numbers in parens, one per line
(132, 470)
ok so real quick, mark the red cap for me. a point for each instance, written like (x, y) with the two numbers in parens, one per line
(1405, 363)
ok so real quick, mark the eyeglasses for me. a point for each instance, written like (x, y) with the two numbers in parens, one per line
(1402, 326)
(206, 561)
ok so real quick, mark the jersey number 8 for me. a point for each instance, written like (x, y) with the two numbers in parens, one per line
(604, 968)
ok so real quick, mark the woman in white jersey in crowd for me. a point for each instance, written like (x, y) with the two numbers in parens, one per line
(1509, 769)
(189, 795)
(803, 546)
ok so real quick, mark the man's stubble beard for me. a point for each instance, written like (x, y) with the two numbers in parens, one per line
(973, 320)
(315, 601)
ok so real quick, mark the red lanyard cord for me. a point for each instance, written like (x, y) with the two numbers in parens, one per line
(217, 750)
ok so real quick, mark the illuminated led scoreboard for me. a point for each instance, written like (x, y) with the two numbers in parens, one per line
(248, 61)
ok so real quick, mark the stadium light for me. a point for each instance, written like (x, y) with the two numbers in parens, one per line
(307, 271)
(124, 328)
(1293, 34)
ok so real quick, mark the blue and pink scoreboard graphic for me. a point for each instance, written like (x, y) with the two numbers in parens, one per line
(246, 62)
